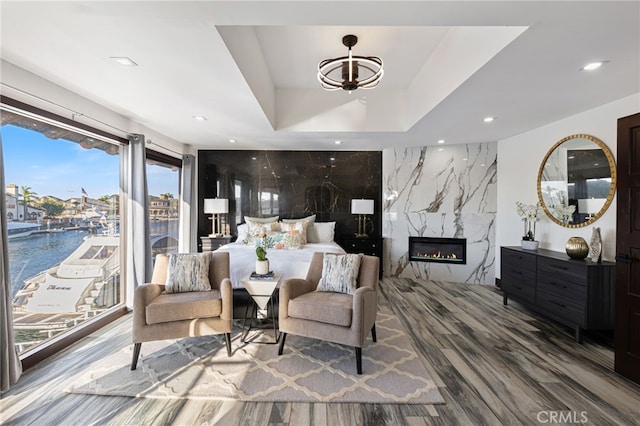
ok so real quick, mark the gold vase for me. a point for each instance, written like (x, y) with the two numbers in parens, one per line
(577, 248)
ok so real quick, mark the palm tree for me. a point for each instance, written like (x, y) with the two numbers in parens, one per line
(27, 195)
(166, 195)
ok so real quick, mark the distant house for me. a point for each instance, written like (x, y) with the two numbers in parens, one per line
(15, 207)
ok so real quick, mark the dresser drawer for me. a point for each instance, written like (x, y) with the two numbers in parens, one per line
(364, 246)
(565, 310)
(517, 261)
(569, 270)
(519, 290)
(562, 286)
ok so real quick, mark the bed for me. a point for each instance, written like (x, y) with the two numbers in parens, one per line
(290, 256)
(290, 263)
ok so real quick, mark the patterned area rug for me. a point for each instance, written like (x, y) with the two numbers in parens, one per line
(308, 371)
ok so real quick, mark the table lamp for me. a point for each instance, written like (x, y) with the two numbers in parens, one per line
(362, 208)
(216, 207)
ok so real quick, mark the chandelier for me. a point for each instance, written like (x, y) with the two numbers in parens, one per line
(350, 72)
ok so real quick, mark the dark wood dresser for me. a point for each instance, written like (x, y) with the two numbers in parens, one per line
(576, 293)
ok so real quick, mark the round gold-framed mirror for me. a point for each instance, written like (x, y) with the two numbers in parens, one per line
(577, 181)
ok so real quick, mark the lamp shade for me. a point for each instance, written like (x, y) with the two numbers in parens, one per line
(361, 206)
(216, 205)
(591, 205)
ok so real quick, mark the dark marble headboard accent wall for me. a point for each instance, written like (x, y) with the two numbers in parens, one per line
(304, 183)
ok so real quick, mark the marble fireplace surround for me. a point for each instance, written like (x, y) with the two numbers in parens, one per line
(441, 191)
(297, 183)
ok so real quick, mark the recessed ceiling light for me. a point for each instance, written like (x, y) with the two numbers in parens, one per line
(200, 118)
(232, 141)
(488, 119)
(123, 60)
(441, 141)
(338, 142)
(440, 149)
(591, 66)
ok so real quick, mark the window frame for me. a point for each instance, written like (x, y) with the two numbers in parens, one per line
(50, 347)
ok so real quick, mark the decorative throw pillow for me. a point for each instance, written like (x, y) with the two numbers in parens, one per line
(280, 241)
(188, 272)
(321, 232)
(340, 273)
(299, 227)
(257, 229)
(310, 219)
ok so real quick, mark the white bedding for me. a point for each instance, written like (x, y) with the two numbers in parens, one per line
(289, 263)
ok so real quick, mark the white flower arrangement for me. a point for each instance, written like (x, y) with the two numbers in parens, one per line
(564, 212)
(529, 214)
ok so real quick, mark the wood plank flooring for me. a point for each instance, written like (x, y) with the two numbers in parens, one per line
(494, 365)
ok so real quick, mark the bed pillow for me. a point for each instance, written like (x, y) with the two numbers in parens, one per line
(188, 272)
(321, 232)
(340, 273)
(280, 241)
(243, 231)
(310, 219)
(262, 219)
(296, 227)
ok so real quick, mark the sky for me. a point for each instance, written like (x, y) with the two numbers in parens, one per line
(62, 168)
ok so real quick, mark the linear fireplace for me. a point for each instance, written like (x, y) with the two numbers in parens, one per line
(441, 250)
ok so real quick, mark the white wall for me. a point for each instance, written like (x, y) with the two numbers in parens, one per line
(31, 89)
(519, 159)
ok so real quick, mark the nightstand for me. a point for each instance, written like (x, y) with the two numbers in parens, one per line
(214, 243)
(371, 246)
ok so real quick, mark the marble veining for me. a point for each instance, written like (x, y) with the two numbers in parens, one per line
(441, 191)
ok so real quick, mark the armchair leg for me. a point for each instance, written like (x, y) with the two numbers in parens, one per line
(281, 347)
(136, 354)
(359, 360)
(373, 332)
(227, 338)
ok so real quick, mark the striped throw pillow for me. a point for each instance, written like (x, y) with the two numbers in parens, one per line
(340, 273)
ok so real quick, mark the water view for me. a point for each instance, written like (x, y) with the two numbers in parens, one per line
(28, 256)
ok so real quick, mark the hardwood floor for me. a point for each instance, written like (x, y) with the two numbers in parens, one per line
(493, 364)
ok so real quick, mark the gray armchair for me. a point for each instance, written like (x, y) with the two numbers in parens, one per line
(158, 315)
(334, 317)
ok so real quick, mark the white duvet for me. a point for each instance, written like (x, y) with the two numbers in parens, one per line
(289, 263)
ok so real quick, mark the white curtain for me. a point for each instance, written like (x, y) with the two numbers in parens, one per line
(10, 365)
(135, 212)
(188, 232)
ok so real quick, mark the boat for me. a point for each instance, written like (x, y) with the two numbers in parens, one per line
(21, 229)
(87, 280)
(82, 286)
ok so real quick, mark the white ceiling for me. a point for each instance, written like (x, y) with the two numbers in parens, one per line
(249, 67)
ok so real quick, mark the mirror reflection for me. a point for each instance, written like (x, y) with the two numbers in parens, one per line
(576, 181)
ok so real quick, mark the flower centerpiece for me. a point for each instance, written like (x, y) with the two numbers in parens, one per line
(529, 214)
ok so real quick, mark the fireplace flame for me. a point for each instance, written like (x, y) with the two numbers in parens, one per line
(438, 255)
